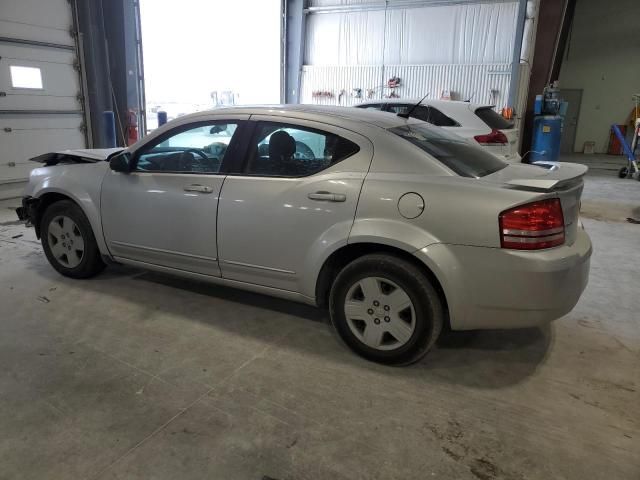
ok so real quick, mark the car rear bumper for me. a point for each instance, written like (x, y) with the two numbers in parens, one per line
(490, 288)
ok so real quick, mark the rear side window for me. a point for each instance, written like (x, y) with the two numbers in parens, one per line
(439, 119)
(283, 150)
(463, 157)
(426, 114)
(493, 119)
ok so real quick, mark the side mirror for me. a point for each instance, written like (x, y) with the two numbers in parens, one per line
(217, 129)
(121, 162)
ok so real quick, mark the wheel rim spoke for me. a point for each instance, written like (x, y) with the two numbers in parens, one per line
(355, 310)
(372, 335)
(400, 330)
(55, 229)
(398, 300)
(370, 288)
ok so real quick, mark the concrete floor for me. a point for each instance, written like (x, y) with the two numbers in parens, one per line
(137, 375)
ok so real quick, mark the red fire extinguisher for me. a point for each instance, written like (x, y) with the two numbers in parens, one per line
(132, 127)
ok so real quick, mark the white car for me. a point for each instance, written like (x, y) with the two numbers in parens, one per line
(480, 123)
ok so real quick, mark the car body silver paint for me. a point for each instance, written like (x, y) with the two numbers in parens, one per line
(285, 247)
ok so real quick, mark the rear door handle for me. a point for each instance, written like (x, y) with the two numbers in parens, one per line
(327, 197)
(198, 188)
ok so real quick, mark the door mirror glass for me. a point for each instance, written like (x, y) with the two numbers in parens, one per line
(121, 162)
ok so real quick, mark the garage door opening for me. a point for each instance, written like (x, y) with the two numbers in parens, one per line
(200, 54)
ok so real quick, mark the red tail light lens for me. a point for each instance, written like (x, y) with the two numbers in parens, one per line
(533, 226)
(496, 137)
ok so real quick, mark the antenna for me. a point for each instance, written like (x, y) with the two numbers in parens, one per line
(410, 111)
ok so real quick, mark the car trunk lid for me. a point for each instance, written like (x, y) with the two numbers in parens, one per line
(564, 180)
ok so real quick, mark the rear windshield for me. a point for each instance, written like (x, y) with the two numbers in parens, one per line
(463, 157)
(494, 120)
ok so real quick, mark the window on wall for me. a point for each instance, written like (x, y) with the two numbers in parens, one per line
(26, 77)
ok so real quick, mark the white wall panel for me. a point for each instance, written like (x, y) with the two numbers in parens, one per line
(44, 21)
(467, 33)
(345, 38)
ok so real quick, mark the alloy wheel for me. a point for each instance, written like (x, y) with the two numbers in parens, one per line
(379, 313)
(65, 241)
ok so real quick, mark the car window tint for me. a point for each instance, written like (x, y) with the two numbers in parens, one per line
(371, 106)
(284, 150)
(197, 150)
(439, 119)
(463, 157)
(397, 107)
(493, 119)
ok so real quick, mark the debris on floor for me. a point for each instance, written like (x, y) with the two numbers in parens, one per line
(44, 299)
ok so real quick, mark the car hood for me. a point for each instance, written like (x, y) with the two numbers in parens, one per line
(89, 155)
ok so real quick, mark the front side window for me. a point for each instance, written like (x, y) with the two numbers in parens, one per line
(282, 150)
(200, 149)
(463, 157)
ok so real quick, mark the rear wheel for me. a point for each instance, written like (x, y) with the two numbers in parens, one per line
(68, 241)
(386, 309)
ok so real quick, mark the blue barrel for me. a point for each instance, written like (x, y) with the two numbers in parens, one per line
(547, 133)
(162, 118)
(109, 128)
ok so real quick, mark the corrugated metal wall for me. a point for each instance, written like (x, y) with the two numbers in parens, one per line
(463, 47)
(466, 82)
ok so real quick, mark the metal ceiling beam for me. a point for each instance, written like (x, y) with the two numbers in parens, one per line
(294, 42)
(517, 50)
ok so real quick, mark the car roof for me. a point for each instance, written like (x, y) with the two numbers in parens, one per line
(302, 111)
(434, 102)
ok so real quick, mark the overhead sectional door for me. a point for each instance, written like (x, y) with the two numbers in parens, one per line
(40, 87)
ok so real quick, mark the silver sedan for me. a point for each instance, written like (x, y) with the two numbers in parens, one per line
(399, 228)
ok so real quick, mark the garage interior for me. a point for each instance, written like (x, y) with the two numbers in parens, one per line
(135, 374)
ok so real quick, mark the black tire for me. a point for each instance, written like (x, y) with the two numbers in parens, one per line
(429, 311)
(623, 172)
(91, 261)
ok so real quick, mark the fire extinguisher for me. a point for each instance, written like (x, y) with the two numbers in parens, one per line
(132, 127)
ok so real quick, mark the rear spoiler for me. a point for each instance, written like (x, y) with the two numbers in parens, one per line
(560, 177)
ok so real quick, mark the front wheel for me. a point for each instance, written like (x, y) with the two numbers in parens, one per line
(68, 241)
(385, 309)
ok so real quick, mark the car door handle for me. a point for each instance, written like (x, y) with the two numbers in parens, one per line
(198, 188)
(327, 197)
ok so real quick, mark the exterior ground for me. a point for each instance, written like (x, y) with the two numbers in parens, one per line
(139, 375)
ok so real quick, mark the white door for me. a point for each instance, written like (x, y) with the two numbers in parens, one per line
(40, 110)
(294, 198)
(163, 212)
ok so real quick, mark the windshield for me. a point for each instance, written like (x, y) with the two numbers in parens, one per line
(463, 157)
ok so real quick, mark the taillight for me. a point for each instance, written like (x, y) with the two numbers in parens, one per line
(496, 137)
(533, 226)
